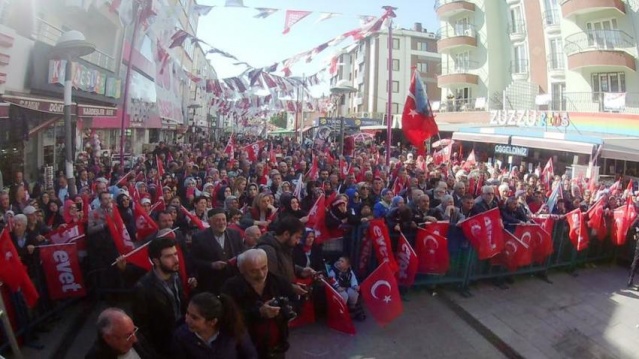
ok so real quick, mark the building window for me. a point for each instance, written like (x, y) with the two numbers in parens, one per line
(395, 65)
(556, 56)
(609, 82)
(395, 86)
(360, 88)
(516, 25)
(422, 46)
(422, 67)
(603, 34)
(520, 60)
(394, 107)
(395, 44)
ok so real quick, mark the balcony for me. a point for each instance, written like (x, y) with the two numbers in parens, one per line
(49, 34)
(516, 30)
(449, 8)
(458, 75)
(519, 69)
(601, 48)
(556, 65)
(460, 104)
(460, 37)
(601, 102)
(551, 21)
(571, 8)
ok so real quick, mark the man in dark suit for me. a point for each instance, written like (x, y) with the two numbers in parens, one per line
(211, 250)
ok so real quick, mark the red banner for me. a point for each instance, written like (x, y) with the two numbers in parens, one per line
(62, 270)
(432, 253)
(407, 261)
(540, 241)
(65, 234)
(578, 231)
(484, 231)
(144, 224)
(378, 231)
(12, 271)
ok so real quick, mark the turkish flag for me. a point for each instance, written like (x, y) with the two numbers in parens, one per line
(432, 252)
(548, 173)
(484, 231)
(418, 120)
(381, 295)
(230, 147)
(439, 228)
(537, 238)
(516, 253)
(546, 223)
(407, 261)
(470, 161)
(623, 218)
(145, 226)
(253, 150)
(313, 172)
(338, 316)
(62, 271)
(124, 244)
(65, 234)
(578, 231)
(343, 168)
(194, 220)
(182, 270)
(378, 231)
(306, 313)
(596, 220)
(12, 271)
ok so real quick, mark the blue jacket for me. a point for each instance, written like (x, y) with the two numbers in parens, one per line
(187, 345)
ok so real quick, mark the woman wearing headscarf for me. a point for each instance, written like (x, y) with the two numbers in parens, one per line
(399, 220)
(126, 213)
(220, 196)
(247, 198)
(290, 206)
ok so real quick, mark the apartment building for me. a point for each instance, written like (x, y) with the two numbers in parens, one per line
(365, 65)
(555, 75)
(503, 54)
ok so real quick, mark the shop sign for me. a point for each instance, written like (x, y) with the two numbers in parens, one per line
(85, 79)
(37, 105)
(529, 118)
(512, 150)
(348, 122)
(95, 111)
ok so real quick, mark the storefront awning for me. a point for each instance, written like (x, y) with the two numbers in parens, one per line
(481, 137)
(625, 149)
(552, 144)
(4, 110)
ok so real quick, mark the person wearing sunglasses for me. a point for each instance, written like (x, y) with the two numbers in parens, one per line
(118, 337)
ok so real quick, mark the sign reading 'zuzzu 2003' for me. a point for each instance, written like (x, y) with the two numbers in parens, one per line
(512, 150)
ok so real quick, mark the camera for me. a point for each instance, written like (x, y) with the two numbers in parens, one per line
(286, 310)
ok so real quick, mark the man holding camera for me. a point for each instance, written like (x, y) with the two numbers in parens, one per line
(263, 298)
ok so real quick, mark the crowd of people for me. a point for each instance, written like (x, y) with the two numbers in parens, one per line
(240, 225)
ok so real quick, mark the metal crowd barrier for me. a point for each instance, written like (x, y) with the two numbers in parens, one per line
(466, 268)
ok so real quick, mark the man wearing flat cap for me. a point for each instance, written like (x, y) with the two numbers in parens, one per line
(211, 250)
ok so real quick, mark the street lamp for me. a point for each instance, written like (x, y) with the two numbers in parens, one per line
(341, 88)
(71, 45)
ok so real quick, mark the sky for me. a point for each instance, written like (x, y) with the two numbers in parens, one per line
(260, 42)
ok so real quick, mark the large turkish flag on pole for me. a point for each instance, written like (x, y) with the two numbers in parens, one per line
(381, 294)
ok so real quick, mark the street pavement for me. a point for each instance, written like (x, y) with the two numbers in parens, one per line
(590, 315)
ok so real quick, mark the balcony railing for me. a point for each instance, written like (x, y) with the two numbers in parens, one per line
(50, 34)
(458, 67)
(551, 17)
(457, 30)
(598, 40)
(601, 102)
(519, 66)
(439, 3)
(556, 62)
(460, 104)
(516, 28)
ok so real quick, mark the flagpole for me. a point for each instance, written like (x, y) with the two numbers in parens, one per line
(389, 105)
(127, 80)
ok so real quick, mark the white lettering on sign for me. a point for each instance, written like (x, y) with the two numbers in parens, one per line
(404, 260)
(512, 150)
(56, 108)
(380, 239)
(65, 274)
(529, 118)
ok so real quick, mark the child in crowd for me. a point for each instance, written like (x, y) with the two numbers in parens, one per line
(346, 284)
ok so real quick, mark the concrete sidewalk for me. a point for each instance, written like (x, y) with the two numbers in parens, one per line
(591, 315)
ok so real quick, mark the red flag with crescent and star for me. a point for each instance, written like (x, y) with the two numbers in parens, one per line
(516, 253)
(432, 252)
(338, 317)
(13, 273)
(381, 295)
(578, 231)
(418, 120)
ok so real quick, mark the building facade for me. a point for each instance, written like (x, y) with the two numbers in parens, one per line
(550, 75)
(365, 65)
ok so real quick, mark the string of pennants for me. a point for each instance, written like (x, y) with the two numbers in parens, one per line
(240, 97)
